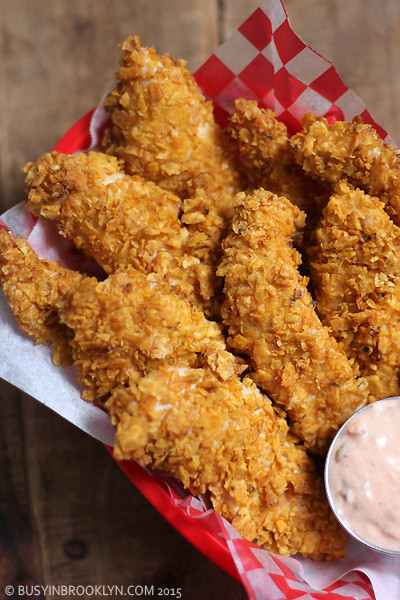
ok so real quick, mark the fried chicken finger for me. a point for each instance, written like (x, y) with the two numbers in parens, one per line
(164, 130)
(355, 267)
(352, 151)
(118, 220)
(128, 325)
(224, 437)
(271, 318)
(263, 145)
(33, 288)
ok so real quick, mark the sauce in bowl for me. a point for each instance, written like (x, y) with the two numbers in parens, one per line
(362, 475)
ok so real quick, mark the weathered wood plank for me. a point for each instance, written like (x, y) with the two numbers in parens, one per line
(19, 549)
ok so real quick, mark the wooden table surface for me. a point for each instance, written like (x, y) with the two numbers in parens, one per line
(68, 515)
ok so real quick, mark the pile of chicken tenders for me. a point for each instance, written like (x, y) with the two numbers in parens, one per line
(249, 301)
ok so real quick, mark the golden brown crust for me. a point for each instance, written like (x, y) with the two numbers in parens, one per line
(33, 288)
(267, 156)
(224, 437)
(152, 358)
(119, 220)
(164, 129)
(271, 318)
(355, 267)
(352, 151)
(129, 324)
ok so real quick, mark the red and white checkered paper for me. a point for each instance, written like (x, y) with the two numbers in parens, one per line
(264, 60)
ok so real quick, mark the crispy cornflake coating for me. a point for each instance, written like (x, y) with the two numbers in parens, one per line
(33, 288)
(355, 267)
(267, 156)
(129, 324)
(205, 228)
(271, 318)
(164, 129)
(352, 151)
(224, 437)
(119, 220)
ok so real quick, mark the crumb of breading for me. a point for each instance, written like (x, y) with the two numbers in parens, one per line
(271, 318)
(129, 324)
(33, 288)
(206, 229)
(355, 268)
(224, 437)
(352, 151)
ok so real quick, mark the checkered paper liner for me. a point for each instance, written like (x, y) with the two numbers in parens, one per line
(264, 60)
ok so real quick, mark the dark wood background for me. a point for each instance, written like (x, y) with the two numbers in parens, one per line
(68, 515)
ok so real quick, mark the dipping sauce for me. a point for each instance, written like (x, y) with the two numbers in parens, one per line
(362, 475)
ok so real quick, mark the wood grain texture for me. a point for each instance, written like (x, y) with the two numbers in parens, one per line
(67, 513)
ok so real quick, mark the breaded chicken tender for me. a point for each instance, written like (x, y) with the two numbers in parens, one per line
(164, 130)
(224, 437)
(33, 288)
(271, 318)
(128, 325)
(267, 156)
(119, 220)
(352, 151)
(355, 267)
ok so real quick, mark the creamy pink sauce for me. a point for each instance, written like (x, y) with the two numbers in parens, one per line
(363, 474)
